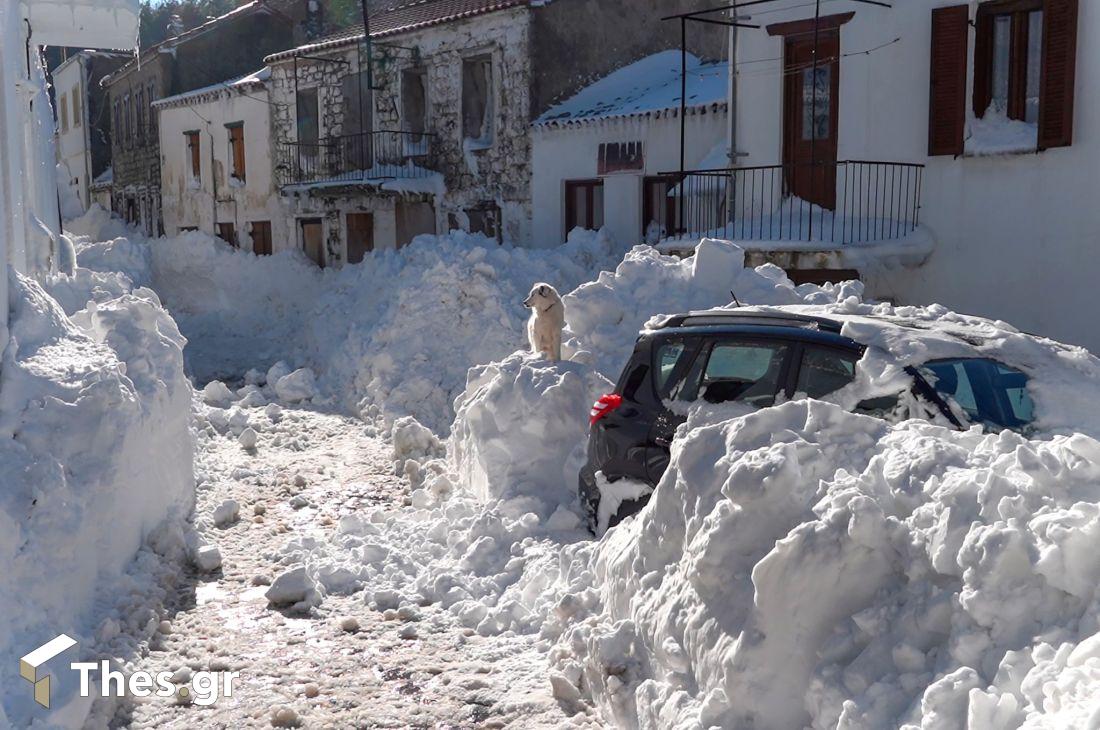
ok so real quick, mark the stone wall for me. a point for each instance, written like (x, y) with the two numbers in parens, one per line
(497, 174)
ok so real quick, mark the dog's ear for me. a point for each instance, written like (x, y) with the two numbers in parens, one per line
(544, 291)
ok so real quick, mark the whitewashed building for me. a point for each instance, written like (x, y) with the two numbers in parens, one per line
(961, 137)
(607, 156)
(29, 216)
(216, 167)
(83, 120)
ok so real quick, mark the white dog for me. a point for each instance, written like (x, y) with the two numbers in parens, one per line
(547, 320)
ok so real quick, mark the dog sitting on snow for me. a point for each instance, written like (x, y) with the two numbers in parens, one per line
(547, 320)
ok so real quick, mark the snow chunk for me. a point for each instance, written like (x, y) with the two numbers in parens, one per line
(300, 385)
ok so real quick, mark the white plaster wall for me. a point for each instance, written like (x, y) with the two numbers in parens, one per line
(184, 204)
(572, 153)
(72, 146)
(1016, 234)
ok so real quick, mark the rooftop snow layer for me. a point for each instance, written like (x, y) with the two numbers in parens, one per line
(646, 86)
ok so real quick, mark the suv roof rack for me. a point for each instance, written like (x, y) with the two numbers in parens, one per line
(718, 317)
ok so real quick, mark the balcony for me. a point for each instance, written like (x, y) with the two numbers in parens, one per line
(382, 158)
(854, 202)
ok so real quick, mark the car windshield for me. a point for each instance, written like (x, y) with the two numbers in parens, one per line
(985, 391)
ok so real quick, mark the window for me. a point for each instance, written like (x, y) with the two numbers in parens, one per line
(583, 205)
(78, 108)
(477, 100)
(152, 97)
(193, 156)
(659, 209)
(414, 102)
(1008, 67)
(665, 359)
(63, 113)
(306, 105)
(236, 148)
(228, 233)
(139, 112)
(620, 157)
(824, 371)
(261, 238)
(128, 122)
(986, 391)
(1025, 61)
(485, 219)
(816, 116)
(743, 371)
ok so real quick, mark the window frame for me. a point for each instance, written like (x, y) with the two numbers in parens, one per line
(63, 113)
(488, 117)
(193, 147)
(238, 164)
(1019, 12)
(590, 185)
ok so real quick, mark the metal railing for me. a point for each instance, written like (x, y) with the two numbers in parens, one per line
(858, 201)
(381, 155)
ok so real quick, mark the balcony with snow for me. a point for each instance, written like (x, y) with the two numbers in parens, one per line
(388, 160)
(804, 217)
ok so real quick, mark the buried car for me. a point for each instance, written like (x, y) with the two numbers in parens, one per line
(761, 357)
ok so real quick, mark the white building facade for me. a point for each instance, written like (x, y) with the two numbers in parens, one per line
(216, 165)
(992, 100)
(29, 215)
(607, 157)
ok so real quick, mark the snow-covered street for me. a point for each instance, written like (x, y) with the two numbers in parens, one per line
(343, 663)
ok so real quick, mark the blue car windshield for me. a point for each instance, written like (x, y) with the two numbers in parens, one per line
(986, 391)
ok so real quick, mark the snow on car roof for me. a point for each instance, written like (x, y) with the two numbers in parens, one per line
(1064, 380)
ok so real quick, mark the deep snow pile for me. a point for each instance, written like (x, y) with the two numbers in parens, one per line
(493, 528)
(603, 317)
(95, 456)
(393, 336)
(804, 565)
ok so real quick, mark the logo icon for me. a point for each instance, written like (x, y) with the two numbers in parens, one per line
(30, 664)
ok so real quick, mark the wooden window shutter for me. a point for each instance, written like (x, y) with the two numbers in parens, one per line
(1059, 73)
(947, 99)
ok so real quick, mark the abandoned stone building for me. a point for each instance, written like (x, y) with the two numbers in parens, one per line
(224, 48)
(435, 134)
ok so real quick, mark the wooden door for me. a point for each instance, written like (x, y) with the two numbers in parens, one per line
(313, 242)
(360, 236)
(809, 123)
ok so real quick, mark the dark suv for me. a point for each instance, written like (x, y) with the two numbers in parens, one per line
(755, 357)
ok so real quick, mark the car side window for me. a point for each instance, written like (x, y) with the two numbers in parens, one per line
(743, 371)
(665, 359)
(824, 371)
(987, 391)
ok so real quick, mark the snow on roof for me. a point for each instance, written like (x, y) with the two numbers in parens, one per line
(241, 84)
(105, 178)
(400, 16)
(644, 87)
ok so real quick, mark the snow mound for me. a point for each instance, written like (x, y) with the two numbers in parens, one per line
(521, 429)
(604, 316)
(804, 566)
(95, 455)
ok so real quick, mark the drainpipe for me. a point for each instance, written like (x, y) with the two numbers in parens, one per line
(731, 100)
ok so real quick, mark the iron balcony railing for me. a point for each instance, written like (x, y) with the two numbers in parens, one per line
(855, 201)
(365, 156)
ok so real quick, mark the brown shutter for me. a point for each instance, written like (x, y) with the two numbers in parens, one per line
(947, 99)
(1059, 73)
(983, 62)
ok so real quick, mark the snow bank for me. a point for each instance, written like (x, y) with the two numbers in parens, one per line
(393, 336)
(95, 454)
(806, 566)
(519, 427)
(605, 316)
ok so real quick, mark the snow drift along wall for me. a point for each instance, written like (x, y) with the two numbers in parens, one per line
(95, 454)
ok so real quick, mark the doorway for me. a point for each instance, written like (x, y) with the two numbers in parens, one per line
(360, 236)
(313, 241)
(809, 118)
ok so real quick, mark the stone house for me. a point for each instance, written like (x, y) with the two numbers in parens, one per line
(223, 48)
(435, 134)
